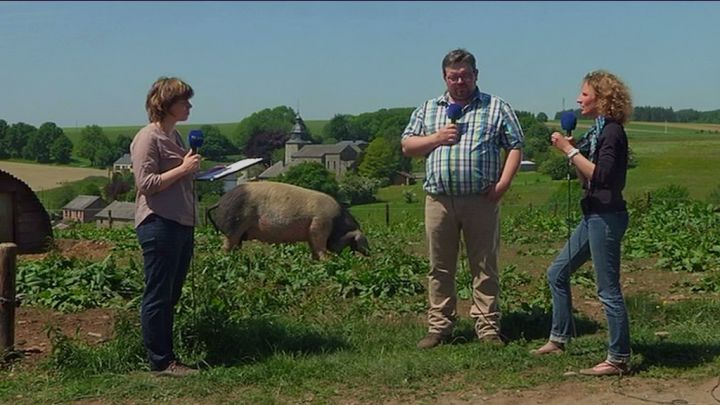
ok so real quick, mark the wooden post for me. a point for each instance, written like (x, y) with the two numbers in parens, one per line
(8, 252)
(110, 220)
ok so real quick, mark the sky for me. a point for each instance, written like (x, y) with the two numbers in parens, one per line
(85, 63)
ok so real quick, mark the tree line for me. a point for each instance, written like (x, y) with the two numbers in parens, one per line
(662, 114)
(45, 144)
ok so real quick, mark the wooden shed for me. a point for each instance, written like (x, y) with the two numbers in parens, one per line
(23, 219)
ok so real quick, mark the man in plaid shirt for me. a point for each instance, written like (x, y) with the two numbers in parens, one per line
(465, 181)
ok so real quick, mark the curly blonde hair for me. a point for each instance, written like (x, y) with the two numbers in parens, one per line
(611, 95)
(163, 94)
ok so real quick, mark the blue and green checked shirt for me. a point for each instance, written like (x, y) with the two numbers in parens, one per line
(472, 164)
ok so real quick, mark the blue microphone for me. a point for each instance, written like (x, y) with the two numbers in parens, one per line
(568, 122)
(195, 140)
(454, 112)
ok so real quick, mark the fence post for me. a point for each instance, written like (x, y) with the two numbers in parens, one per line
(8, 253)
(110, 220)
(387, 214)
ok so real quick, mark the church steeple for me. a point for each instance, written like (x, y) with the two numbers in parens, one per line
(298, 139)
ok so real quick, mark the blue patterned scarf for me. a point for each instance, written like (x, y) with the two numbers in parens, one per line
(593, 134)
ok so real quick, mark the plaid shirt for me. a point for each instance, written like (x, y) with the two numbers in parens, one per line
(472, 164)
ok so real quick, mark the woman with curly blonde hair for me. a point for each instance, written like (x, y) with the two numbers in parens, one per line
(606, 99)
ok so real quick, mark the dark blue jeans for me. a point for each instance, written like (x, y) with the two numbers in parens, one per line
(598, 236)
(167, 250)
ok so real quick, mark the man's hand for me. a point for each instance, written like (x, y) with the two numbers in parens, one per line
(447, 135)
(497, 190)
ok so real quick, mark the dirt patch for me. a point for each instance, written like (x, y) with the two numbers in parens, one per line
(92, 326)
(625, 391)
(91, 250)
(32, 324)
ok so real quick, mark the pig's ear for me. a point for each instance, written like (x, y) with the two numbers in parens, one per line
(342, 242)
(360, 243)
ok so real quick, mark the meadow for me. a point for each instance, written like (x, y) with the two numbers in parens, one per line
(269, 325)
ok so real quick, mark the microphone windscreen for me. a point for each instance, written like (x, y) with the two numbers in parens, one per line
(568, 121)
(195, 139)
(454, 112)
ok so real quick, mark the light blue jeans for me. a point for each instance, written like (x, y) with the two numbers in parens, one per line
(598, 236)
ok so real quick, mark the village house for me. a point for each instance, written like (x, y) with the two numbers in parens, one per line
(124, 163)
(83, 208)
(118, 213)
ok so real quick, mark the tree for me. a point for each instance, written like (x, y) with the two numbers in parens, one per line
(278, 120)
(4, 145)
(380, 161)
(16, 137)
(122, 144)
(542, 117)
(61, 149)
(537, 136)
(262, 144)
(95, 146)
(120, 188)
(215, 145)
(338, 128)
(556, 166)
(36, 149)
(312, 175)
(39, 142)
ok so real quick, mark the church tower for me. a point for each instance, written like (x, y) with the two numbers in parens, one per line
(298, 139)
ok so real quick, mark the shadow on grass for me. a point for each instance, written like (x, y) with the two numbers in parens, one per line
(674, 354)
(523, 325)
(249, 341)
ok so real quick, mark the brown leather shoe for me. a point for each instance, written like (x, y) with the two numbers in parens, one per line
(492, 340)
(431, 340)
(177, 369)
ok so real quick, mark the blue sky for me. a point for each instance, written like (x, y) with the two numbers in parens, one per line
(82, 63)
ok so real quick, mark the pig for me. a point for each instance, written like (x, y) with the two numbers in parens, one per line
(283, 213)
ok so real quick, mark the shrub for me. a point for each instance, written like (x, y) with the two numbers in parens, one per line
(355, 189)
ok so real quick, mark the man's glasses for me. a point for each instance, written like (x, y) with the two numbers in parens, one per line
(456, 78)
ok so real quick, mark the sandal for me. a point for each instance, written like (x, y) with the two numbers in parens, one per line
(549, 348)
(606, 368)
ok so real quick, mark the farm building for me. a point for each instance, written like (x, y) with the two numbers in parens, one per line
(118, 213)
(528, 166)
(83, 208)
(23, 219)
(124, 163)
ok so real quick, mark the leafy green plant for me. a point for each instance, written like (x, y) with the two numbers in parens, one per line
(70, 285)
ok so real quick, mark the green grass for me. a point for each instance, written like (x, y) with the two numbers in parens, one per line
(374, 360)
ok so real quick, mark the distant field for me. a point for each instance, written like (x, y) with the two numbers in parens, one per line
(314, 126)
(44, 177)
